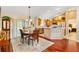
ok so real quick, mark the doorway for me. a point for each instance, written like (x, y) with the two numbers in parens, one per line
(71, 24)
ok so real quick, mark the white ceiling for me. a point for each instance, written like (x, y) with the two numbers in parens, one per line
(40, 11)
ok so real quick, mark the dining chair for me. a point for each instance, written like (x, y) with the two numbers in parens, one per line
(34, 36)
(23, 36)
(21, 33)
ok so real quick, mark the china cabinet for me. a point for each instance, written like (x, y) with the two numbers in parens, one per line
(6, 25)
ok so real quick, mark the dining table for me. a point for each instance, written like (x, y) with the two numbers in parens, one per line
(27, 33)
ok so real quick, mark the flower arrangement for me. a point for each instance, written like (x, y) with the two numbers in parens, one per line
(2, 35)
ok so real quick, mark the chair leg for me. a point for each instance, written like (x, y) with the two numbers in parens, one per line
(37, 40)
(32, 42)
(28, 41)
(22, 41)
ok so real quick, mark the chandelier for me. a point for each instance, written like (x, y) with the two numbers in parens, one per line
(29, 17)
(29, 12)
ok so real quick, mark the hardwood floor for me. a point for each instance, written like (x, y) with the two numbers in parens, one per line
(63, 45)
(5, 46)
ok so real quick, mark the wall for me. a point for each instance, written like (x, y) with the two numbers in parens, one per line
(0, 20)
(77, 22)
(0, 24)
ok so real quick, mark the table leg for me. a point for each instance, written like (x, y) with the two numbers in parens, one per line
(28, 40)
(32, 42)
(37, 40)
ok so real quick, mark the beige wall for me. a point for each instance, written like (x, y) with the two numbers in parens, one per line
(0, 20)
(77, 22)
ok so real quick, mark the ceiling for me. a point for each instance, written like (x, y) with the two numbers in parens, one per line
(40, 11)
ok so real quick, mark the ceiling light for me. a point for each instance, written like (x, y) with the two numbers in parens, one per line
(29, 17)
(57, 9)
(48, 10)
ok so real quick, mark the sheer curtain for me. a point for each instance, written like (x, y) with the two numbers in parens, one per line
(16, 25)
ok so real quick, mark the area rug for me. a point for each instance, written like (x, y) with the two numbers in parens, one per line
(19, 47)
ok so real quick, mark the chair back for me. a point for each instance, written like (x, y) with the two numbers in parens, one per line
(35, 34)
(21, 33)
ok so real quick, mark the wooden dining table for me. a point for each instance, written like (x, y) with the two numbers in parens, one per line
(30, 34)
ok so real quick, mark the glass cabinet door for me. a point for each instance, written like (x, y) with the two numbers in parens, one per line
(4, 24)
(8, 26)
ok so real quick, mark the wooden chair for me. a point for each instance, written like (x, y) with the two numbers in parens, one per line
(24, 36)
(34, 36)
(21, 33)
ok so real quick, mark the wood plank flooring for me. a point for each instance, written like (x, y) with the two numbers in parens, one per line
(62, 45)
